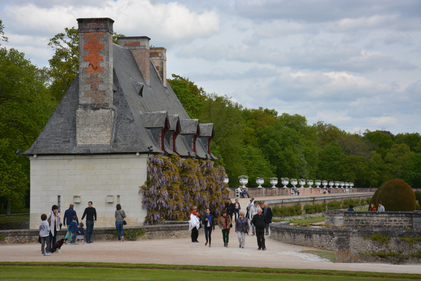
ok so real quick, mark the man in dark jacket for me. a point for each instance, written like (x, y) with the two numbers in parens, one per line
(90, 214)
(267, 212)
(68, 218)
(259, 221)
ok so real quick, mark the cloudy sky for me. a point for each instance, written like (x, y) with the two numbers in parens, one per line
(354, 64)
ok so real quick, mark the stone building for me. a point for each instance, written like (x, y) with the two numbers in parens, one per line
(119, 110)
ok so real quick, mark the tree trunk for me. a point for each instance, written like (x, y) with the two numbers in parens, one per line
(9, 207)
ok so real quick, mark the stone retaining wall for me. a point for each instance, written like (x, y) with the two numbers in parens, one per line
(402, 220)
(162, 231)
(383, 245)
(14, 225)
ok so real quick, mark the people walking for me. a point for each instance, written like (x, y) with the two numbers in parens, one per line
(119, 218)
(67, 220)
(237, 208)
(54, 221)
(242, 228)
(224, 222)
(267, 212)
(73, 231)
(209, 225)
(91, 217)
(194, 225)
(252, 212)
(44, 230)
(259, 221)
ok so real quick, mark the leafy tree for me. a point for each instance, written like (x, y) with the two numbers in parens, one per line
(190, 95)
(229, 128)
(381, 141)
(331, 159)
(25, 107)
(64, 65)
(286, 146)
(2, 36)
(256, 163)
(377, 172)
(255, 121)
(355, 169)
(396, 159)
(326, 133)
(411, 140)
(412, 172)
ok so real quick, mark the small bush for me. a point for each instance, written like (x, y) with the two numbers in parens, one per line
(131, 234)
(334, 205)
(287, 211)
(317, 208)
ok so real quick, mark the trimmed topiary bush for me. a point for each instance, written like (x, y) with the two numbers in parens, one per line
(396, 195)
(418, 196)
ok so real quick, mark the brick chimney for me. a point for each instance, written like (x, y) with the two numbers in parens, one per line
(158, 56)
(139, 46)
(95, 114)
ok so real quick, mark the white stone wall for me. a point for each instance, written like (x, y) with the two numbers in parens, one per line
(96, 178)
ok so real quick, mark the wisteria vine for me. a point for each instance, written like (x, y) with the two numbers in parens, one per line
(175, 185)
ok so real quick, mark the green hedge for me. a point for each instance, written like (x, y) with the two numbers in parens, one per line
(287, 211)
(334, 205)
(317, 208)
(354, 202)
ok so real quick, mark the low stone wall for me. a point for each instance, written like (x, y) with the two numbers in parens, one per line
(14, 225)
(162, 231)
(383, 245)
(402, 220)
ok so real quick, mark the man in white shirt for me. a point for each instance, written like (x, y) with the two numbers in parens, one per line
(381, 207)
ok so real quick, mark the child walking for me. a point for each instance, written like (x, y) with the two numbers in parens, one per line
(81, 233)
(44, 232)
(73, 230)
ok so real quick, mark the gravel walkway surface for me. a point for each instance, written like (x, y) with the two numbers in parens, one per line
(182, 251)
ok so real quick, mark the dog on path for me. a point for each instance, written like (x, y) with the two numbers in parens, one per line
(57, 245)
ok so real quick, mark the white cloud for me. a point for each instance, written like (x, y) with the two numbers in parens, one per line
(166, 22)
(350, 63)
(362, 23)
(384, 121)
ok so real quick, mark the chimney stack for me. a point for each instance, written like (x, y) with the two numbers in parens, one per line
(95, 115)
(139, 46)
(158, 56)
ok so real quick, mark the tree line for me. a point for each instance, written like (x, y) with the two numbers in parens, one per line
(254, 142)
(263, 143)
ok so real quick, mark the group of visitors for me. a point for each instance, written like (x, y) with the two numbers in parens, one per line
(256, 217)
(75, 229)
(380, 207)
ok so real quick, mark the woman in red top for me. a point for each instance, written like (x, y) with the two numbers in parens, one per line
(372, 208)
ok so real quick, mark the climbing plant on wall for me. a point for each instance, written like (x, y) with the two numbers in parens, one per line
(174, 186)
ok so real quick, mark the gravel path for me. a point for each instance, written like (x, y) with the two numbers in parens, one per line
(182, 251)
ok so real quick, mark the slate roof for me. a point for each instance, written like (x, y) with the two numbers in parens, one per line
(140, 112)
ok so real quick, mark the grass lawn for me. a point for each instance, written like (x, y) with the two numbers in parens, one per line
(14, 218)
(103, 272)
(329, 255)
